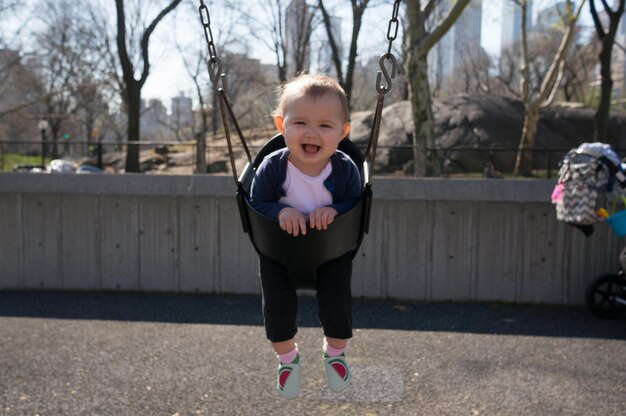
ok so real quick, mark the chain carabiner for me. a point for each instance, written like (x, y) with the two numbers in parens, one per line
(392, 33)
(216, 75)
(384, 89)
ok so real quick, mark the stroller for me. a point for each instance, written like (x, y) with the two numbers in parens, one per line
(589, 174)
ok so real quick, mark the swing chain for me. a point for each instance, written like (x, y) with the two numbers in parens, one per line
(214, 63)
(394, 24)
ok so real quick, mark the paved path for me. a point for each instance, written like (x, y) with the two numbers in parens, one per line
(73, 353)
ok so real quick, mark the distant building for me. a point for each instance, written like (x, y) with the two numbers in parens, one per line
(19, 85)
(512, 23)
(458, 45)
(297, 30)
(154, 120)
(550, 16)
(182, 112)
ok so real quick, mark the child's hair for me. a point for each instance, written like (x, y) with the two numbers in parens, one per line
(310, 85)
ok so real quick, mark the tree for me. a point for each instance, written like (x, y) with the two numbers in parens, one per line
(284, 29)
(472, 76)
(607, 38)
(67, 62)
(419, 42)
(358, 9)
(578, 75)
(298, 34)
(533, 101)
(7, 7)
(92, 111)
(131, 92)
(12, 70)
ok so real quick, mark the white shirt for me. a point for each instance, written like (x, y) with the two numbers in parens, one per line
(305, 193)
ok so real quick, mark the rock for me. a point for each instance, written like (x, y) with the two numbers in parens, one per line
(181, 159)
(481, 122)
(150, 161)
(218, 166)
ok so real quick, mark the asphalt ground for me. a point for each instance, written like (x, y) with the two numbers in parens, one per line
(112, 353)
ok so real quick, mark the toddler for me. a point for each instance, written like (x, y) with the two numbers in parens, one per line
(306, 184)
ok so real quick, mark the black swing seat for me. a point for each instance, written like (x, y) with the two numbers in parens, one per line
(302, 255)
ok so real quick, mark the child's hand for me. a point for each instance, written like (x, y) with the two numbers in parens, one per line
(292, 221)
(321, 217)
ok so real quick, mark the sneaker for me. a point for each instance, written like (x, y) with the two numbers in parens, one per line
(288, 384)
(337, 372)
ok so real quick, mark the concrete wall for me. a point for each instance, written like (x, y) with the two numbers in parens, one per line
(431, 239)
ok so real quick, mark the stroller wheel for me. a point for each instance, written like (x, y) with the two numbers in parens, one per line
(602, 296)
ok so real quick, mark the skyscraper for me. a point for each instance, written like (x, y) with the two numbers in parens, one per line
(297, 36)
(551, 15)
(456, 47)
(512, 23)
(182, 111)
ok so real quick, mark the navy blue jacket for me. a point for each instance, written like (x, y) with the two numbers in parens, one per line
(344, 183)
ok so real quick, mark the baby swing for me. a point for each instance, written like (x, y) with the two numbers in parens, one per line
(302, 255)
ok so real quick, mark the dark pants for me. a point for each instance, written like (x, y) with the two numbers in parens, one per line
(334, 299)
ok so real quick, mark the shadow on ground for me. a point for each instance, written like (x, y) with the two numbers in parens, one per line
(485, 318)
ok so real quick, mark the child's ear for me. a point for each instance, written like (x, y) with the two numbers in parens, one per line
(279, 123)
(346, 130)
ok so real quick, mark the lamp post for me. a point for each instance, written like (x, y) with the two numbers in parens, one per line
(43, 126)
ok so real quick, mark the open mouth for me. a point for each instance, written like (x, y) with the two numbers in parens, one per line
(310, 148)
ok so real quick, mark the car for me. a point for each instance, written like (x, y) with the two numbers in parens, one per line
(88, 169)
(62, 166)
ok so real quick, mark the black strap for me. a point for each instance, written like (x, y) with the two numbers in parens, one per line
(615, 171)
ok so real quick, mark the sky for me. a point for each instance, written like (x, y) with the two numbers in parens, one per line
(168, 77)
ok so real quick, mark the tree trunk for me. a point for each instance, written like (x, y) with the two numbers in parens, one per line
(201, 156)
(357, 20)
(547, 91)
(419, 43)
(524, 160)
(607, 38)
(346, 80)
(333, 44)
(133, 108)
(419, 93)
(601, 117)
(424, 123)
(131, 85)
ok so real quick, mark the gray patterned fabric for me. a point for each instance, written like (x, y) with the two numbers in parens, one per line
(584, 182)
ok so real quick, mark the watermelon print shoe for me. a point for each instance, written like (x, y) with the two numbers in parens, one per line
(337, 372)
(288, 384)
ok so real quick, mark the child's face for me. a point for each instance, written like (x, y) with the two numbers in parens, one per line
(312, 128)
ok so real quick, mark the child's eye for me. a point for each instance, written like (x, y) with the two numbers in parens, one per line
(326, 126)
(300, 122)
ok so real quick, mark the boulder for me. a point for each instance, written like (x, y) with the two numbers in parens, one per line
(471, 130)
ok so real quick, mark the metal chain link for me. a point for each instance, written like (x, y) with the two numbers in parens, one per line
(392, 33)
(214, 63)
(382, 88)
(393, 22)
(216, 75)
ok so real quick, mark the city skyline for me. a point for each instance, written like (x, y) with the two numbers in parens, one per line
(168, 77)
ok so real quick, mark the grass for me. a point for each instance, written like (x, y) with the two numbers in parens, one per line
(8, 160)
